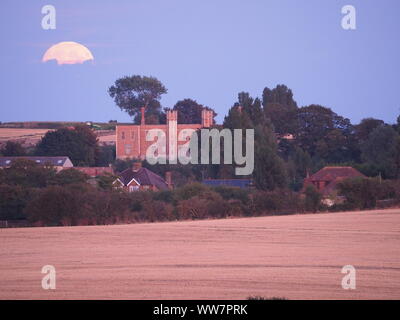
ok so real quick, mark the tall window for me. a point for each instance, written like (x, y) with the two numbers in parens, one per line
(133, 135)
(123, 134)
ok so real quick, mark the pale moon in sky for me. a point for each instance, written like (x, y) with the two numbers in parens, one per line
(68, 52)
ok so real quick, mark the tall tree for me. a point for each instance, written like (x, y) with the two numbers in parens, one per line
(281, 94)
(134, 92)
(189, 111)
(325, 134)
(78, 143)
(365, 127)
(280, 107)
(269, 169)
(382, 150)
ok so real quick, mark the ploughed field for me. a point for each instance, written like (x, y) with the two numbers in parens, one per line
(30, 137)
(297, 257)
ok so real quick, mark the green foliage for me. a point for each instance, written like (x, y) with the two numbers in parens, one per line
(132, 93)
(280, 94)
(325, 134)
(189, 111)
(312, 199)
(360, 193)
(27, 173)
(106, 181)
(13, 200)
(56, 205)
(105, 156)
(190, 191)
(12, 149)
(69, 176)
(382, 150)
(365, 127)
(281, 109)
(79, 144)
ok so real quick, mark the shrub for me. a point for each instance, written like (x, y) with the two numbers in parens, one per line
(56, 205)
(13, 200)
(312, 199)
(360, 193)
(190, 190)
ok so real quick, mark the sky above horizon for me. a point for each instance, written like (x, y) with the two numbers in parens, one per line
(207, 50)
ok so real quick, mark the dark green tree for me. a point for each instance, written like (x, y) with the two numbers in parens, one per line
(69, 176)
(280, 107)
(79, 144)
(312, 199)
(105, 156)
(382, 150)
(269, 169)
(13, 149)
(326, 135)
(365, 127)
(27, 174)
(132, 93)
(281, 94)
(189, 111)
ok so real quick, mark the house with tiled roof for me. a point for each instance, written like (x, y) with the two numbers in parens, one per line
(59, 163)
(138, 178)
(326, 180)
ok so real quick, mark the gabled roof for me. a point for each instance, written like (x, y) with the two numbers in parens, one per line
(62, 161)
(144, 177)
(333, 173)
(331, 176)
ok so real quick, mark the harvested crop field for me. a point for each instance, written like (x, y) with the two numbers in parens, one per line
(297, 257)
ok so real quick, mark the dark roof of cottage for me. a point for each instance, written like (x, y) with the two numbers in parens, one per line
(333, 173)
(55, 161)
(144, 176)
(240, 183)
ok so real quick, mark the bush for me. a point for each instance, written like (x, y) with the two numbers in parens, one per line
(312, 199)
(56, 205)
(362, 193)
(13, 200)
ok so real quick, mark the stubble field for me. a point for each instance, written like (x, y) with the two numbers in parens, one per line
(297, 257)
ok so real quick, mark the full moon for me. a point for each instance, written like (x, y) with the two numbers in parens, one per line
(68, 52)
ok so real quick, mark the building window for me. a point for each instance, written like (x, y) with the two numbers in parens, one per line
(128, 149)
(133, 135)
(133, 188)
(122, 135)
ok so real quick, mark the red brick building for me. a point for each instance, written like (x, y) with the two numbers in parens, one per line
(131, 139)
(326, 179)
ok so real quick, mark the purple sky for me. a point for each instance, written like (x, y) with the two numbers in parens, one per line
(207, 50)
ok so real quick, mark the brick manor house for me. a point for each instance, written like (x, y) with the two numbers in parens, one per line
(131, 139)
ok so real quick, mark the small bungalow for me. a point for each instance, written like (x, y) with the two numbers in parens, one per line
(138, 178)
(326, 180)
(59, 163)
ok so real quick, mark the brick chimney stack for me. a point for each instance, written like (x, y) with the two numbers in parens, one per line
(168, 179)
(136, 166)
(142, 121)
(206, 118)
